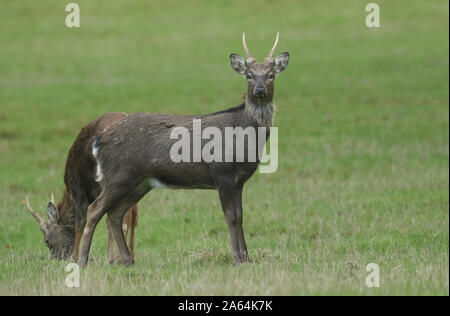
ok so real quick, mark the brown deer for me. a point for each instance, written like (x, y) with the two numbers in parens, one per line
(133, 157)
(67, 219)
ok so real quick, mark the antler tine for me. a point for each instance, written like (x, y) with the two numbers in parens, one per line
(52, 198)
(35, 215)
(247, 52)
(270, 56)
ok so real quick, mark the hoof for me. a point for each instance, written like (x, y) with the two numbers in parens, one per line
(241, 259)
(112, 259)
(82, 263)
(127, 262)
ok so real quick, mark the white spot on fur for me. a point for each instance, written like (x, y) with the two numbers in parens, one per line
(155, 183)
(94, 151)
(98, 173)
(124, 227)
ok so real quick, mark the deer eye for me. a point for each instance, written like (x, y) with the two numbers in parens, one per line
(270, 76)
(249, 76)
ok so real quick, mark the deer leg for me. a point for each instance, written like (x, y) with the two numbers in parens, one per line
(117, 216)
(79, 225)
(111, 254)
(76, 246)
(115, 200)
(125, 227)
(94, 213)
(229, 195)
(240, 230)
(80, 205)
(132, 227)
(126, 223)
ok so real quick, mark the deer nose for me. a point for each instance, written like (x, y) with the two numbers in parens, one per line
(260, 90)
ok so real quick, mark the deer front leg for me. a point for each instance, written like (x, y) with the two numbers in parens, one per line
(79, 226)
(231, 200)
(80, 207)
(76, 246)
(240, 230)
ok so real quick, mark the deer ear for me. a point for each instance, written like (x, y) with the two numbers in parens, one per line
(52, 212)
(281, 63)
(238, 63)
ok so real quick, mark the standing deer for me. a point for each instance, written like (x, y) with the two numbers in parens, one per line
(133, 157)
(67, 219)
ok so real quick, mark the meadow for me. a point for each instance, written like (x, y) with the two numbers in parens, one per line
(363, 118)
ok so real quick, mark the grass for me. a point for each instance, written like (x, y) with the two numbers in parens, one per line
(363, 119)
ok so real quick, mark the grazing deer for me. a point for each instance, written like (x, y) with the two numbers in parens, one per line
(133, 157)
(67, 219)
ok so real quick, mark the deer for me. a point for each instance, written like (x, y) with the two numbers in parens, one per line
(63, 231)
(133, 157)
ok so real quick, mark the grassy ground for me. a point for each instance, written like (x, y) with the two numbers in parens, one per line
(363, 121)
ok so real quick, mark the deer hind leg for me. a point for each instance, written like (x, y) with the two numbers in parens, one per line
(117, 216)
(126, 223)
(126, 226)
(111, 253)
(118, 224)
(132, 227)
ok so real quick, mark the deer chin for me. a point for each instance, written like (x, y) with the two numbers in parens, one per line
(261, 98)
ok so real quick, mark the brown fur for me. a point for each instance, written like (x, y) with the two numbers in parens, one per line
(63, 232)
(134, 154)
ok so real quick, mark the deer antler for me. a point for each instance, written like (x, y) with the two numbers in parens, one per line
(269, 57)
(250, 58)
(52, 198)
(35, 215)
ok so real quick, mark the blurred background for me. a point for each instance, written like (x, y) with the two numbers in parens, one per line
(363, 119)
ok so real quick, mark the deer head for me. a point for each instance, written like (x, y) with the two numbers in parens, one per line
(58, 238)
(260, 76)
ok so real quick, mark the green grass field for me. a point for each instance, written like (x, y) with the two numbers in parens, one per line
(363, 117)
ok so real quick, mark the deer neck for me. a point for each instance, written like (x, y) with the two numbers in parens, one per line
(66, 211)
(262, 111)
